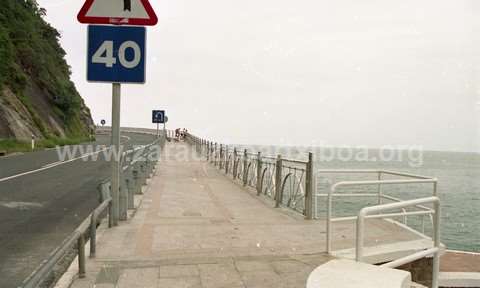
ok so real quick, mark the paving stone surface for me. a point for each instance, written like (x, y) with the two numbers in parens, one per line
(197, 228)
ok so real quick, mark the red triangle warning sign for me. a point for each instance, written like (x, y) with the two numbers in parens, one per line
(118, 12)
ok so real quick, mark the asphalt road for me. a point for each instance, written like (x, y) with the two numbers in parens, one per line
(43, 200)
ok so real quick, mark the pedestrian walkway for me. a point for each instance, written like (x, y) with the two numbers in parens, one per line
(197, 228)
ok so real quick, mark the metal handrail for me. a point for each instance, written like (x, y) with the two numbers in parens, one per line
(435, 251)
(334, 187)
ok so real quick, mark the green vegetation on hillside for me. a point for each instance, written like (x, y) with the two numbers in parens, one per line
(30, 52)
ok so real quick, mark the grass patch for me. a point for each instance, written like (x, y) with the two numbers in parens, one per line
(13, 145)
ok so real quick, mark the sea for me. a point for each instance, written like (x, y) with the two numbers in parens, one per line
(458, 187)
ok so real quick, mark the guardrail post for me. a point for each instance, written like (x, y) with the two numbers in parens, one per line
(110, 215)
(81, 256)
(93, 235)
(111, 223)
(131, 197)
(123, 205)
(278, 181)
(309, 187)
(245, 167)
(259, 173)
(143, 173)
(234, 163)
(137, 182)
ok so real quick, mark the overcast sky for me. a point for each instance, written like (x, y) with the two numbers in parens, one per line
(343, 72)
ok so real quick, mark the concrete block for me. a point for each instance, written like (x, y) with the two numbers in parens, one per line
(351, 274)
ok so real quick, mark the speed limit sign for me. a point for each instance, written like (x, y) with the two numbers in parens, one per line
(116, 54)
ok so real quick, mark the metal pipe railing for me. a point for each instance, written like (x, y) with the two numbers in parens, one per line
(334, 187)
(435, 251)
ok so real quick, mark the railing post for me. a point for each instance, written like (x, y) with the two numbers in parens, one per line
(93, 235)
(436, 243)
(111, 221)
(234, 171)
(110, 214)
(379, 188)
(215, 154)
(278, 181)
(309, 187)
(245, 167)
(226, 160)
(259, 173)
(81, 256)
(359, 235)
(131, 197)
(208, 151)
(220, 162)
(123, 199)
(143, 174)
(136, 179)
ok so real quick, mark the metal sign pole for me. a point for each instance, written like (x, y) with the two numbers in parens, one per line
(158, 130)
(116, 100)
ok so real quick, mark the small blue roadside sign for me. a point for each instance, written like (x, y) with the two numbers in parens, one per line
(116, 54)
(158, 116)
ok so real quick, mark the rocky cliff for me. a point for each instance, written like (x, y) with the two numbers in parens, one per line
(36, 94)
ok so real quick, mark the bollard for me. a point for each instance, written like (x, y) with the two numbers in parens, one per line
(259, 173)
(81, 256)
(278, 182)
(130, 189)
(245, 167)
(93, 235)
(309, 187)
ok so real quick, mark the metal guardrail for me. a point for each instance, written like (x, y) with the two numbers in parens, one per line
(288, 182)
(134, 177)
(435, 250)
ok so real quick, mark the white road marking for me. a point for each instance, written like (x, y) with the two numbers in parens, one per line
(54, 164)
(51, 165)
(21, 205)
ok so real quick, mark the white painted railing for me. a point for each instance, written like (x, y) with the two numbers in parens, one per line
(380, 195)
(435, 250)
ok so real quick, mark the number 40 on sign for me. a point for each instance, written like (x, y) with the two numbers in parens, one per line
(116, 54)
